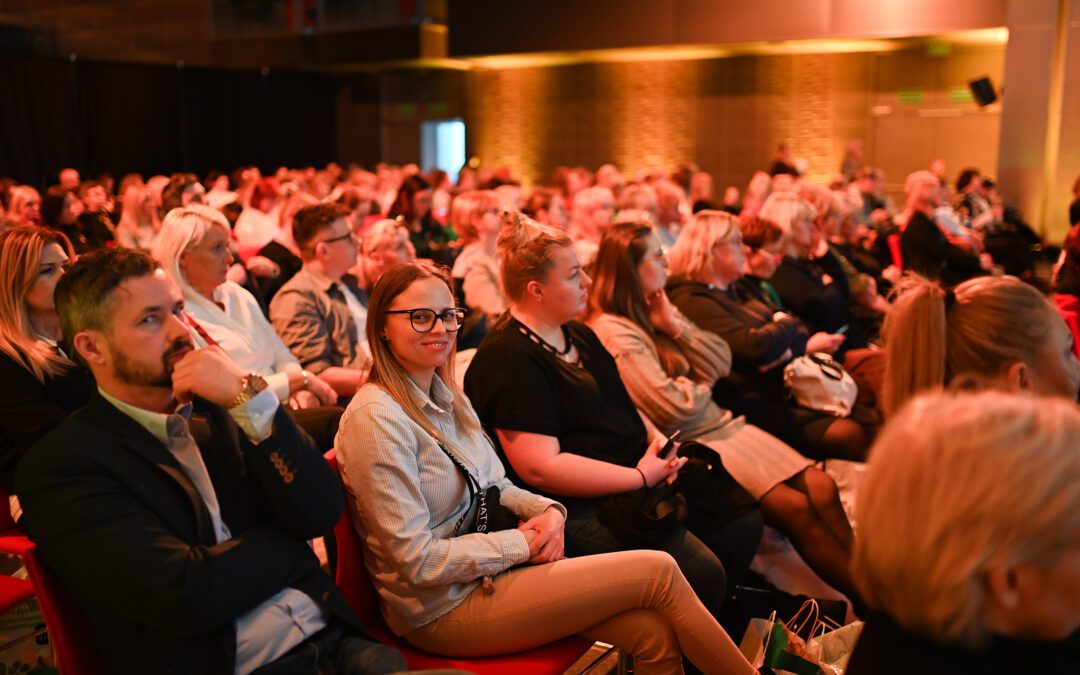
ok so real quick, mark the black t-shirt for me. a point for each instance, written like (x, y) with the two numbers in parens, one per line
(517, 385)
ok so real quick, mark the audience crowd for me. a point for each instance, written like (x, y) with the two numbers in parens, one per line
(568, 410)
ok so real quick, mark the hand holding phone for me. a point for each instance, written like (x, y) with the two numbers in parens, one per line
(669, 447)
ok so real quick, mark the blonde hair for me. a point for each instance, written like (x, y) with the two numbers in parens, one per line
(181, 229)
(389, 374)
(20, 256)
(525, 249)
(912, 185)
(692, 254)
(639, 197)
(958, 485)
(587, 199)
(464, 210)
(20, 196)
(378, 233)
(133, 215)
(992, 323)
(785, 208)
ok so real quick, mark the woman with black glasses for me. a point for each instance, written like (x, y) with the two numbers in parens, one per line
(415, 463)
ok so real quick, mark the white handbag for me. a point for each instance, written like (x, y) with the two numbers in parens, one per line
(818, 382)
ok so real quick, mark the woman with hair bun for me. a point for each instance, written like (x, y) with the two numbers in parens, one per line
(997, 329)
(968, 551)
(551, 397)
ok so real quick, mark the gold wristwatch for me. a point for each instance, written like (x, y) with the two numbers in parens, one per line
(250, 386)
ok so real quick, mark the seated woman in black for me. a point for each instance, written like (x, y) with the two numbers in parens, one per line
(551, 397)
(709, 287)
(39, 384)
(924, 247)
(815, 290)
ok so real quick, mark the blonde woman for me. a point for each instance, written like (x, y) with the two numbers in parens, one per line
(413, 458)
(708, 265)
(474, 216)
(39, 383)
(998, 329)
(24, 207)
(384, 244)
(193, 249)
(969, 538)
(816, 293)
(553, 399)
(139, 224)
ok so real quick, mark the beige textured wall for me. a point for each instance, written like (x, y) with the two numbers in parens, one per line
(727, 114)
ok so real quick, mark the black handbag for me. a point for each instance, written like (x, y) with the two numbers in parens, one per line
(703, 495)
(491, 515)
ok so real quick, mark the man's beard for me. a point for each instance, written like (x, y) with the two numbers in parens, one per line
(137, 374)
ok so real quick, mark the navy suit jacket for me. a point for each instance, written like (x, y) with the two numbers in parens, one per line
(131, 540)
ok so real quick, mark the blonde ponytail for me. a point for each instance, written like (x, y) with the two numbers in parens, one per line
(915, 337)
(980, 329)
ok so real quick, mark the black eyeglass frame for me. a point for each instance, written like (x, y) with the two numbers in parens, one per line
(348, 235)
(460, 312)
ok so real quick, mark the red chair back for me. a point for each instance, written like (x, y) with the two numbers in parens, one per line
(70, 633)
(351, 574)
(894, 250)
(1068, 306)
(355, 583)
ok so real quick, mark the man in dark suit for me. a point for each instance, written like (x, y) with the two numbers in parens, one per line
(176, 506)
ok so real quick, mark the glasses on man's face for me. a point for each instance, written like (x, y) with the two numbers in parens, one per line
(422, 320)
(347, 235)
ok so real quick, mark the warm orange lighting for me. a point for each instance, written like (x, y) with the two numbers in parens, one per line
(987, 36)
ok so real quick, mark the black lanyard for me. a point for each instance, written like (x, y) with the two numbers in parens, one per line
(472, 483)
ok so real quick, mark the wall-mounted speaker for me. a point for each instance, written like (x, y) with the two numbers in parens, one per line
(983, 91)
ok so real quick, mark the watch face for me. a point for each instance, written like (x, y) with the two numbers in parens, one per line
(256, 383)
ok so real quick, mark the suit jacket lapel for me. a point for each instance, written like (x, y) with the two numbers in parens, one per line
(141, 442)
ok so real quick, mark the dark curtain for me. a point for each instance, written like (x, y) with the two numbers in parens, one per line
(149, 119)
(37, 118)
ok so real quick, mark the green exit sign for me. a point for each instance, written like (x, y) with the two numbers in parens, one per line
(938, 50)
(911, 96)
(961, 95)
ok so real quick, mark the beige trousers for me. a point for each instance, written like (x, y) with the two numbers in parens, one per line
(638, 601)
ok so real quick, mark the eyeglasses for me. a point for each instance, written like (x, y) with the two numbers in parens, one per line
(422, 320)
(347, 235)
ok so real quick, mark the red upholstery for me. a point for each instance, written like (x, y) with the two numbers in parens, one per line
(894, 249)
(14, 591)
(1068, 307)
(70, 634)
(354, 582)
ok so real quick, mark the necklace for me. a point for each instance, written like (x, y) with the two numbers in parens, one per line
(531, 334)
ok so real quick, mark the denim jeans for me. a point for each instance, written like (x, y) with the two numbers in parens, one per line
(709, 559)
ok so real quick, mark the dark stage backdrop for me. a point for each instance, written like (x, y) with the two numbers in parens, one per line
(121, 118)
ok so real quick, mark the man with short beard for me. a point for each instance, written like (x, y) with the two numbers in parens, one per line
(176, 506)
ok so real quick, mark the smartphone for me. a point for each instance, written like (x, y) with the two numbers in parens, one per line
(841, 330)
(669, 447)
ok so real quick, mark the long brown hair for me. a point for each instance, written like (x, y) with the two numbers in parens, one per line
(988, 324)
(388, 373)
(617, 287)
(20, 254)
